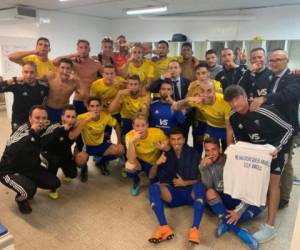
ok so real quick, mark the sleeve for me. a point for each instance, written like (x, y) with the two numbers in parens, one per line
(276, 125)
(227, 110)
(111, 121)
(28, 58)
(245, 80)
(290, 93)
(51, 135)
(20, 139)
(4, 87)
(94, 89)
(180, 117)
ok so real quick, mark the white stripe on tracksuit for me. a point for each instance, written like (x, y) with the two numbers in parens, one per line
(20, 190)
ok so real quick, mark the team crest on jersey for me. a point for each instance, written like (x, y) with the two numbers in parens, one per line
(61, 138)
(253, 84)
(25, 94)
(223, 77)
(156, 112)
(240, 126)
(32, 139)
(257, 122)
(42, 92)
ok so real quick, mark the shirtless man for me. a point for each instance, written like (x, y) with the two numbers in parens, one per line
(61, 86)
(87, 71)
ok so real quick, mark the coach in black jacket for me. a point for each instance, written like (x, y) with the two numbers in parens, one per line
(284, 93)
(20, 166)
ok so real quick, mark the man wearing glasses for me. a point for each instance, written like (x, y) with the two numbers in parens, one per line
(284, 93)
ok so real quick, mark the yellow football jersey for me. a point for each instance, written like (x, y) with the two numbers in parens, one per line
(131, 106)
(42, 67)
(215, 114)
(93, 131)
(145, 148)
(161, 65)
(145, 71)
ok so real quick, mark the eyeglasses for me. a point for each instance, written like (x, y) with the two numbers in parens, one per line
(277, 60)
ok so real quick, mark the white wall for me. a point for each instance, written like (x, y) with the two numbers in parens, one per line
(271, 23)
(64, 30)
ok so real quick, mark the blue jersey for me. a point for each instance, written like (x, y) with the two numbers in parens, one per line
(161, 116)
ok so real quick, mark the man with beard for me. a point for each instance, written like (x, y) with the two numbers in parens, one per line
(212, 62)
(137, 65)
(231, 73)
(39, 56)
(161, 114)
(214, 108)
(28, 91)
(121, 56)
(130, 102)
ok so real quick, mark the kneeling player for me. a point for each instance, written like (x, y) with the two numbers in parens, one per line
(177, 172)
(93, 124)
(230, 211)
(143, 149)
(56, 144)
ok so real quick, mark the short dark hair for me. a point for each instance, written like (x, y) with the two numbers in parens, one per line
(83, 41)
(93, 98)
(257, 49)
(212, 140)
(34, 107)
(176, 131)
(166, 81)
(201, 65)
(107, 39)
(233, 91)
(30, 63)
(210, 51)
(109, 66)
(68, 107)
(134, 77)
(187, 44)
(66, 60)
(43, 39)
(163, 42)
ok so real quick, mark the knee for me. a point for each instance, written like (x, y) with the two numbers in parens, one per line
(81, 159)
(31, 191)
(54, 183)
(119, 150)
(130, 167)
(211, 194)
(199, 189)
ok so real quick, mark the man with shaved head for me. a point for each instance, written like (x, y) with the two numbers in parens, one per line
(214, 109)
(284, 94)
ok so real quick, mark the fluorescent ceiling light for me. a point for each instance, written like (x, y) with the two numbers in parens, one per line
(146, 10)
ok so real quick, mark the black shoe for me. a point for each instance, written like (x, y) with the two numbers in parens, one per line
(104, 170)
(283, 204)
(84, 174)
(24, 207)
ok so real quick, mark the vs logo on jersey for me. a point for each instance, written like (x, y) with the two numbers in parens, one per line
(163, 122)
(254, 137)
(262, 92)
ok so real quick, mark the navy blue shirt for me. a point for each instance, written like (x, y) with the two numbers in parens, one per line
(186, 166)
(162, 116)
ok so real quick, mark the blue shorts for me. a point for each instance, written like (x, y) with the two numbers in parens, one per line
(54, 115)
(219, 133)
(228, 201)
(199, 128)
(80, 107)
(98, 150)
(126, 125)
(180, 196)
(145, 167)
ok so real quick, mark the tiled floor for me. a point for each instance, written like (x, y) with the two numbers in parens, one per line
(101, 214)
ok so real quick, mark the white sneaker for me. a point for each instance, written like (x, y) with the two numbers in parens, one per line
(265, 233)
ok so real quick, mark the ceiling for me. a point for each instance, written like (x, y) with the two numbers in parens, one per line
(114, 9)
